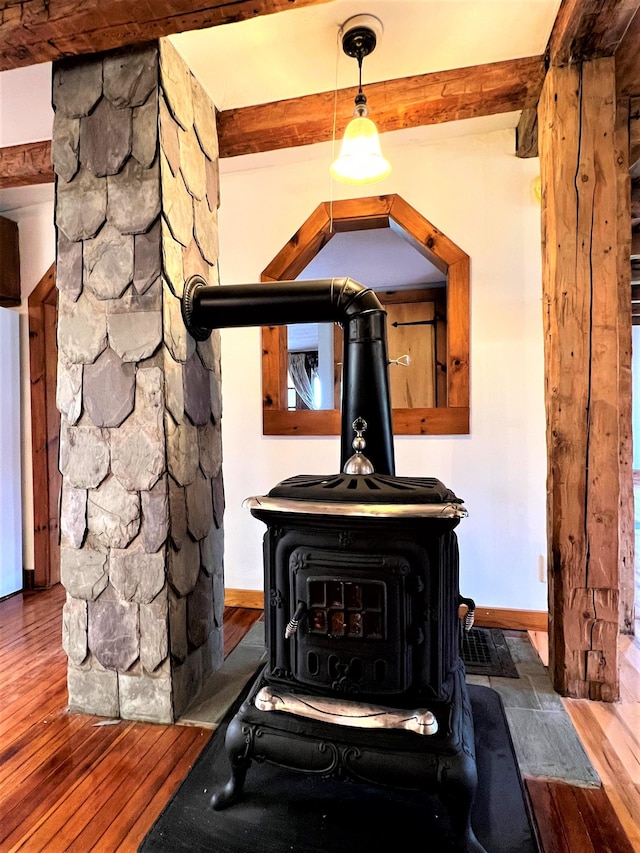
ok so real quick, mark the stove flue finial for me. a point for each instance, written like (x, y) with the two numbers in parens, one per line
(358, 463)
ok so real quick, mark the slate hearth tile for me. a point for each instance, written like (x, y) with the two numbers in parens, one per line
(524, 655)
(516, 693)
(547, 697)
(548, 747)
(222, 688)
(481, 680)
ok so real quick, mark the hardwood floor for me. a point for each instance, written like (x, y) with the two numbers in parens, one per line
(71, 782)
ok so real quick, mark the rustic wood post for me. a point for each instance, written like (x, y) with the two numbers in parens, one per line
(627, 508)
(581, 231)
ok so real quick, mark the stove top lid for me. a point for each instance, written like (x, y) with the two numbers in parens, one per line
(364, 488)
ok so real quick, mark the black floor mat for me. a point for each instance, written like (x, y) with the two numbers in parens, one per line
(485, 652)
(290, 812)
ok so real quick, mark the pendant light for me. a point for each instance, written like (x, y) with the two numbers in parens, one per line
(360, 160)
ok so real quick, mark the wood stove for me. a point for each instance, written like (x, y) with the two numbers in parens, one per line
(364, 679)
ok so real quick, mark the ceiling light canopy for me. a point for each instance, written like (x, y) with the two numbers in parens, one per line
(360, 160)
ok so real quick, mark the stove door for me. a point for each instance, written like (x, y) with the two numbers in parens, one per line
(353, 611)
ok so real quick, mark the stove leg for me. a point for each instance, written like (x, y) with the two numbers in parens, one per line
(238, 747)
(458, 803)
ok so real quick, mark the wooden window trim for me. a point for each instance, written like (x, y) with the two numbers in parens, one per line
(45, 432)
(387, 211)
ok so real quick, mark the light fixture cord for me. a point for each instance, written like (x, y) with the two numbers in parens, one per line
(333, 132)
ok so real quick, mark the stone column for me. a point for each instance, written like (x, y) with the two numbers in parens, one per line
(135, 155)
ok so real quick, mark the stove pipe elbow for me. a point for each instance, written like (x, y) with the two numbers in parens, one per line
(365, 376)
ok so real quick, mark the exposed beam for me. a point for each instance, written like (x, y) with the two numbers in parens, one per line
(584, 30)
(442, 96)
(527, 134)
(34, 31)
(587, 29)
(634, 138)
(627, 65)
(410, 102)
(24, 165)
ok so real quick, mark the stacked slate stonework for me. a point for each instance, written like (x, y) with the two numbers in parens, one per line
(137, 191)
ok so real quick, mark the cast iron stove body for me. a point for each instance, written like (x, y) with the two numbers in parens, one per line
(366, 566)
(364, 680)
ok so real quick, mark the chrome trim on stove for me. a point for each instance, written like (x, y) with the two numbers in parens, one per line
(446, 510)
(345, 713)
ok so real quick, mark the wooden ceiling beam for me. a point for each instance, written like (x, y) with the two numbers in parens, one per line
(587, 29)
(33, 31)
(627, 65)
(25, 165)
(409, 102)
(583, 30)
(527, 134)
(425, 99)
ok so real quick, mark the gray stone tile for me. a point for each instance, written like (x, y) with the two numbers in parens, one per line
(64, 146)
(130, 76)
(134, 197)
(200, 611)
(81, 205)
(199, 507)
(548, 747)
(145, 131)
(114, 633)
(481, 680)
(77, 86)
(175, 79)
(516, 692)
(146, 697)
(105, 139)
(108, 263)
(108, 389)
(221, 689)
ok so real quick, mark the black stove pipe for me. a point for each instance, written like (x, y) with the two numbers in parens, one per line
(365, 376)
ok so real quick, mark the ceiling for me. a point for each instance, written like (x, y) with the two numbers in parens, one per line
(297, 52)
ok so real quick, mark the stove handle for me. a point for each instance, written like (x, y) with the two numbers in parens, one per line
(468, 618)
(292, 625)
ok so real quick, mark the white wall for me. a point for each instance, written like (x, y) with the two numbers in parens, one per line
(37, 253)
(26, 114)
(10, 467)
(475, 190)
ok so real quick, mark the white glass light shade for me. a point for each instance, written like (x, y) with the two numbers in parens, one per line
(360, 160)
